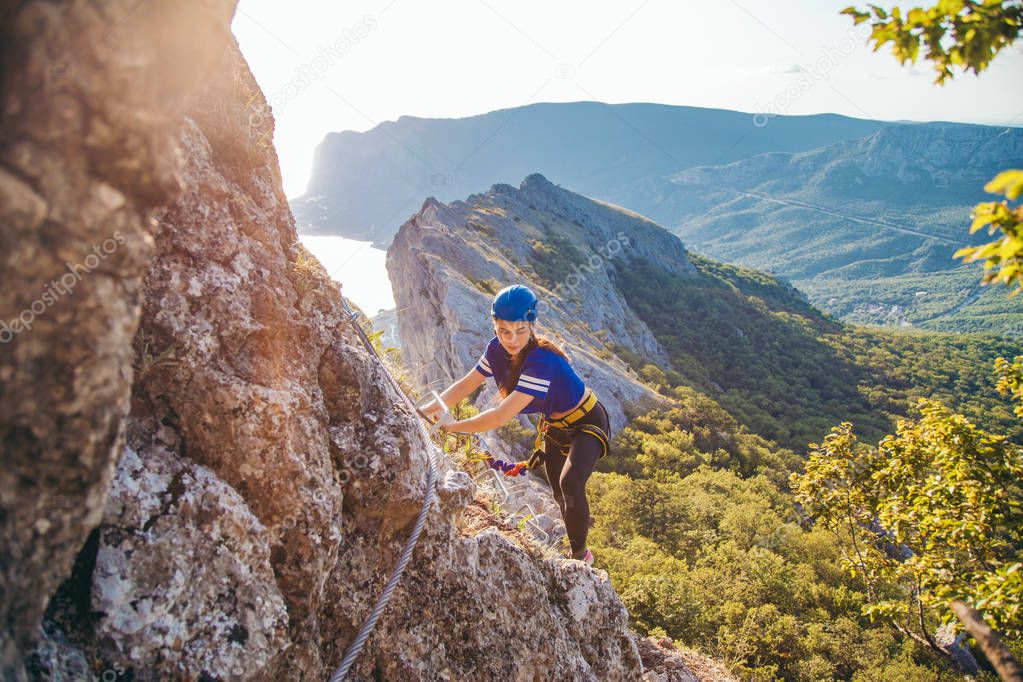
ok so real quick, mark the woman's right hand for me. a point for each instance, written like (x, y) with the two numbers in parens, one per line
(432, 409)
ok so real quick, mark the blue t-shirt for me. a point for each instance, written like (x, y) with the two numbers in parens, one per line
(545, 375)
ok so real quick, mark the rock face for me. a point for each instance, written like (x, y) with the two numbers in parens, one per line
(448, 260)
(665, 662)
(157, 599)
(91, 96)
(950, 155)
(254, 500)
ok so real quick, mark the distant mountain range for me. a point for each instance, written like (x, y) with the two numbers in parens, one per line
(365, 185)
(866, 228)
(863, 216)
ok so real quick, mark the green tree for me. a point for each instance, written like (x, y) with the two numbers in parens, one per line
(1010, 380)
(946, 492)
(934, 514)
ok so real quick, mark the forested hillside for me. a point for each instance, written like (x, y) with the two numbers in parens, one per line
(789, 372)
(866, 228)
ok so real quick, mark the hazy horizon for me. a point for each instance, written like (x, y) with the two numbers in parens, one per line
(328, 67)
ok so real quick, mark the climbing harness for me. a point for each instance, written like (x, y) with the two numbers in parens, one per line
(542, 436)
(566, 425)
(515, 468)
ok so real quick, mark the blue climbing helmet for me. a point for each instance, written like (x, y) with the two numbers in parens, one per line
(514, 303)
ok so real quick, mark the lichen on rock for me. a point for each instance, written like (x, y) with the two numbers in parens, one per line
(182, 574)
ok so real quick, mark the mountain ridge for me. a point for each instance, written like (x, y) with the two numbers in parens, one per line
(882, 205)
(444, 254)
(591, 146)
(861, 225)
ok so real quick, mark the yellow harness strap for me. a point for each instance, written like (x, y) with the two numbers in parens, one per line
(597, 432)
(566, 422)
(578, 413)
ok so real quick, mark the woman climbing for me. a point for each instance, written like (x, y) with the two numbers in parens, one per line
(533, 375)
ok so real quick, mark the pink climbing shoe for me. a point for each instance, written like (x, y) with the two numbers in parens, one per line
(586, 558)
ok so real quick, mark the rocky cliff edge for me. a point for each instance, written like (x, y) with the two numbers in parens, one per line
(205, 476)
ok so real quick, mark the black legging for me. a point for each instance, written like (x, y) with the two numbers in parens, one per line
(568, 475)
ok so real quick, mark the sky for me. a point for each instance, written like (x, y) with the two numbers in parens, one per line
(334, 66)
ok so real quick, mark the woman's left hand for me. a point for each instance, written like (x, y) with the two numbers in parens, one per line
(442, 423)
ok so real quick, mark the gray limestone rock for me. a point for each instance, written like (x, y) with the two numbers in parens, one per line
(448, 260)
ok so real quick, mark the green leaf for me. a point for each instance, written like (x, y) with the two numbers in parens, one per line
(1009, 183)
